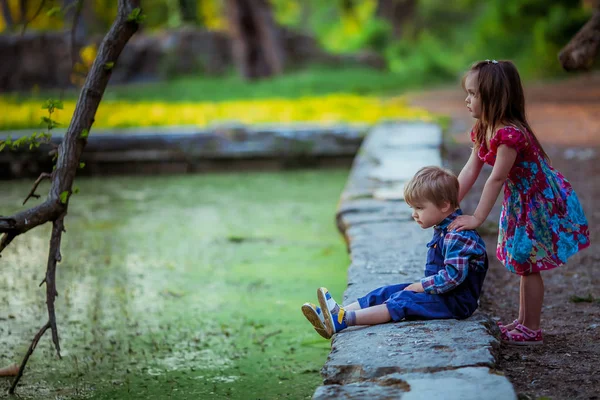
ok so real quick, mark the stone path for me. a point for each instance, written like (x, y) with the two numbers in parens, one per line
(446, 359)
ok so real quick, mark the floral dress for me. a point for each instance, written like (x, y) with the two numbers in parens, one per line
(542, 222)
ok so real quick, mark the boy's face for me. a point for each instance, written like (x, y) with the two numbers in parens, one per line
(427, 214)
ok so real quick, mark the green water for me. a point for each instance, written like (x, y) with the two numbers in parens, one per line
(183, 287)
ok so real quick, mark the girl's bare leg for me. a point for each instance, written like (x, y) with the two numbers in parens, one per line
(521, 301)
(533, 298)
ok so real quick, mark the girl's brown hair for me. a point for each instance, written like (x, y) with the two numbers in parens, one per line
(502, 100)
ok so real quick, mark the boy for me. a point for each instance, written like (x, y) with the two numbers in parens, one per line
(454, 271)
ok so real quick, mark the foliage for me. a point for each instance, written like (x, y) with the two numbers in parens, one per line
(529, 31)
(444, 38)
(48, 22)
(34, 140)
(439, 42)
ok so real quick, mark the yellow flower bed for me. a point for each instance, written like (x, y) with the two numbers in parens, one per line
(330, 109)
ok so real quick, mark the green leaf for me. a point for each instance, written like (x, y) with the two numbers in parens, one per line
(64, 196)
(75, 190)
(53, 11)
(84, 134)
(2, 145)
(49, 122)
(109, 65)
(51, 104)
(134, 14)
(81, 165)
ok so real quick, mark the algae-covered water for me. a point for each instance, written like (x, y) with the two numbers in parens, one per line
(183, 287)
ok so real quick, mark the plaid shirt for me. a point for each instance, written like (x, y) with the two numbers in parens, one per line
(460, 250)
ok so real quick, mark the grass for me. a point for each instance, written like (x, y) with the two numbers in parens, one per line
(309, 82)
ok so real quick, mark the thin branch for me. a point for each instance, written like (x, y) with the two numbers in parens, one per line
(26, 220)
(8, 19)
(31, 194)
(53, 258)
(69, 153)
(34, 343)
(76, 16)
(6, 239)
(38, 11)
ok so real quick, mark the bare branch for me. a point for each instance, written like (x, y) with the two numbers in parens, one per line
(34, 343)
(53, 258)
(76, 16)
(6, 239)
(8, 19)
(25, 220)
(72, 146)
(580, 52)
(69, 152)
(31, 194)
(37, 12)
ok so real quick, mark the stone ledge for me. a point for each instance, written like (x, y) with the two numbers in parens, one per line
(471, 383)
(439, 359)
(199, 149)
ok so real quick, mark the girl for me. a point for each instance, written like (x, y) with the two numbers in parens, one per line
(542, 223)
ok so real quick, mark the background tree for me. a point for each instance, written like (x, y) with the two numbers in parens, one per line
(256, 44)
(55, 207)
(582, 49)
(397, 13)
(189, 11)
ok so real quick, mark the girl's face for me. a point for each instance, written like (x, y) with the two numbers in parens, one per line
(473, 101)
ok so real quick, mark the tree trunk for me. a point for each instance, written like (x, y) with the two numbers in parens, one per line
(189, 11)
(8, 19)
(396, 12)
(79, 27)
(580, 52)
(257, 49)
(23, 11)
(69, 152)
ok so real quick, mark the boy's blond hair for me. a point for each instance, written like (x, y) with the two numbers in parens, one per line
(434, 184)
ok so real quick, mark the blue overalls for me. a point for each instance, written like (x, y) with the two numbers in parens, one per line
(458, 303)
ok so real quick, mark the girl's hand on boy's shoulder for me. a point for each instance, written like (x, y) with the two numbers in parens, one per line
(415, 287)
(464, 222)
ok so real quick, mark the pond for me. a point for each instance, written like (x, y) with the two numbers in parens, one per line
(177, 287)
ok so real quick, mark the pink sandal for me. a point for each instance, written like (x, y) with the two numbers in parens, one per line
(509, 327)
(523, 337)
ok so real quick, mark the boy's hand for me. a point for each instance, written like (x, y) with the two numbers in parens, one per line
(464, 222)
(415, 287)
